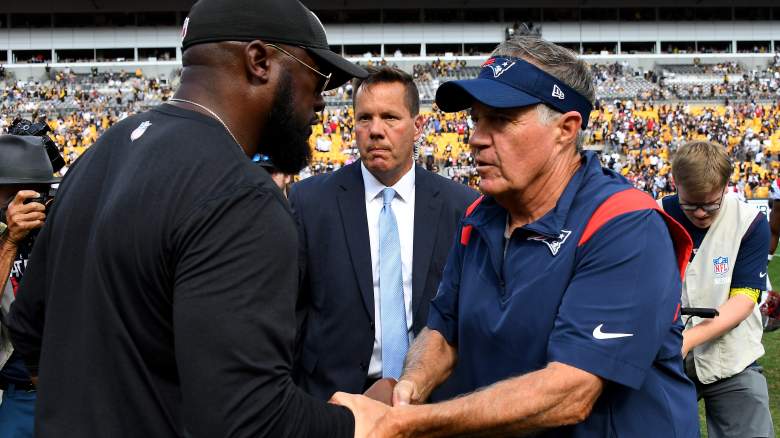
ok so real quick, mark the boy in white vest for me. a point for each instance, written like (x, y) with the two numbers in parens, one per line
(727, 271)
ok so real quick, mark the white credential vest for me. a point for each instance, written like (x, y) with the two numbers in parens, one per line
(707, 284)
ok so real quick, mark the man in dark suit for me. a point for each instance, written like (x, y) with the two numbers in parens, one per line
(376, 235)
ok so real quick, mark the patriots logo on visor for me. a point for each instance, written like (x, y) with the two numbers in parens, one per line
(498, 67)
(554, 243)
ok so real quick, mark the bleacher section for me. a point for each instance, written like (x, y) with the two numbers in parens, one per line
(643, 113)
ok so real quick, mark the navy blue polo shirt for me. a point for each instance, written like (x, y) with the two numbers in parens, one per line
(608, 306)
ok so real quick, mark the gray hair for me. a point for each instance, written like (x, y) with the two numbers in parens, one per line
(556, 61)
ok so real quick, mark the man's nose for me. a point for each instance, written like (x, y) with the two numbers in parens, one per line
(376, 128)
(699, 213)
(479, 138)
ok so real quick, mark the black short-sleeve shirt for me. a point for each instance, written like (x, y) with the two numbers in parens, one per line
(160, 297)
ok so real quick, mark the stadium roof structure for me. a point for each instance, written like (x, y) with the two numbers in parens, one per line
(111, 33)
(91, 6)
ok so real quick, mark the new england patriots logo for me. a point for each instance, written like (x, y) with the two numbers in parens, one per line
(554, 243)
(498, 67)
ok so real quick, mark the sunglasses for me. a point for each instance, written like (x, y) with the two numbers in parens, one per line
(326, 77)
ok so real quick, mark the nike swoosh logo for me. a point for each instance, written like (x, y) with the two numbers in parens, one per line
(598, 334)
(762, 275)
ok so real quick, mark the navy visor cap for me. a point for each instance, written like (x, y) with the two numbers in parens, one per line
(506, 82)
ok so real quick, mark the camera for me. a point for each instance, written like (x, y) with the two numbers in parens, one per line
(45, 198)
(21, 126)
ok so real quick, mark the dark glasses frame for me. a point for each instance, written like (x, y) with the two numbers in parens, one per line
(708, 207)
(326, 77)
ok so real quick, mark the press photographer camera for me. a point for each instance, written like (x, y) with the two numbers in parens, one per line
(45, 198)
(40, 129)
(28, 160)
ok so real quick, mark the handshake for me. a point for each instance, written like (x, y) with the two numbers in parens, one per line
(379, 412)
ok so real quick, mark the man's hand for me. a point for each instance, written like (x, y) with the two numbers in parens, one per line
(22, 218)
(366, 411)
(406, 393)
(686, 346)
(731, 313)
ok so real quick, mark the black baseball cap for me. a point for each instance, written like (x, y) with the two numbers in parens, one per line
(274, 21)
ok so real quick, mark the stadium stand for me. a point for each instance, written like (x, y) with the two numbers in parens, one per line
(636, 132)
(662, 78)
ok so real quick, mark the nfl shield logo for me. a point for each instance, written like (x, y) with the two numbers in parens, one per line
(720, 265)
(139, 131)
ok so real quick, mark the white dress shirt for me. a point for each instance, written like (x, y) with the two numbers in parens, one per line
(403, 208)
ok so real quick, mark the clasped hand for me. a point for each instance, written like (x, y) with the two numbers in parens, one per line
(374, 419)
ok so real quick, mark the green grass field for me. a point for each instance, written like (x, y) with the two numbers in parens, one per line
(770, 361)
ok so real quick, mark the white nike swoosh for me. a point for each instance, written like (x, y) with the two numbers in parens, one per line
(598, 334)
(762, 275)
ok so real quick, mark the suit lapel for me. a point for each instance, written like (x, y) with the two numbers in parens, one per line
(427, 208)
(352, 207)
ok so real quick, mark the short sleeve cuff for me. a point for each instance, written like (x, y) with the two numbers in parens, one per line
(446, 327)
(343, 422)
(752, 293)
(596, 362)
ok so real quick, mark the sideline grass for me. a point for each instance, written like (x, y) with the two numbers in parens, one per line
(771, 360)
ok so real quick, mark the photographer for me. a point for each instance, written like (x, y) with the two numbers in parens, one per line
(281, 179)
(25, 179)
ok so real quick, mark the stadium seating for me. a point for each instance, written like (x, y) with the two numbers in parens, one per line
(636, 127)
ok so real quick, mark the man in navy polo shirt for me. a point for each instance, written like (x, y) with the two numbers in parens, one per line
(558, 310)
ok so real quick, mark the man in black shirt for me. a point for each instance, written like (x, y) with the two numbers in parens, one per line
(160, 297)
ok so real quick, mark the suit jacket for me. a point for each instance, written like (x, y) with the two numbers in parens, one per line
(336, 318)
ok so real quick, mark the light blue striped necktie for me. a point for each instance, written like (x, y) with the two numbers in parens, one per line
(395, 339)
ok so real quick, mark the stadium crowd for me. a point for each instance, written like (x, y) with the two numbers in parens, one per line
(80, 107)
(637, 135)
(438, 68)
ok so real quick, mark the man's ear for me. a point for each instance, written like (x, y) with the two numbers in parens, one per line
(256, 60)
(419, 124)
(569, 126)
